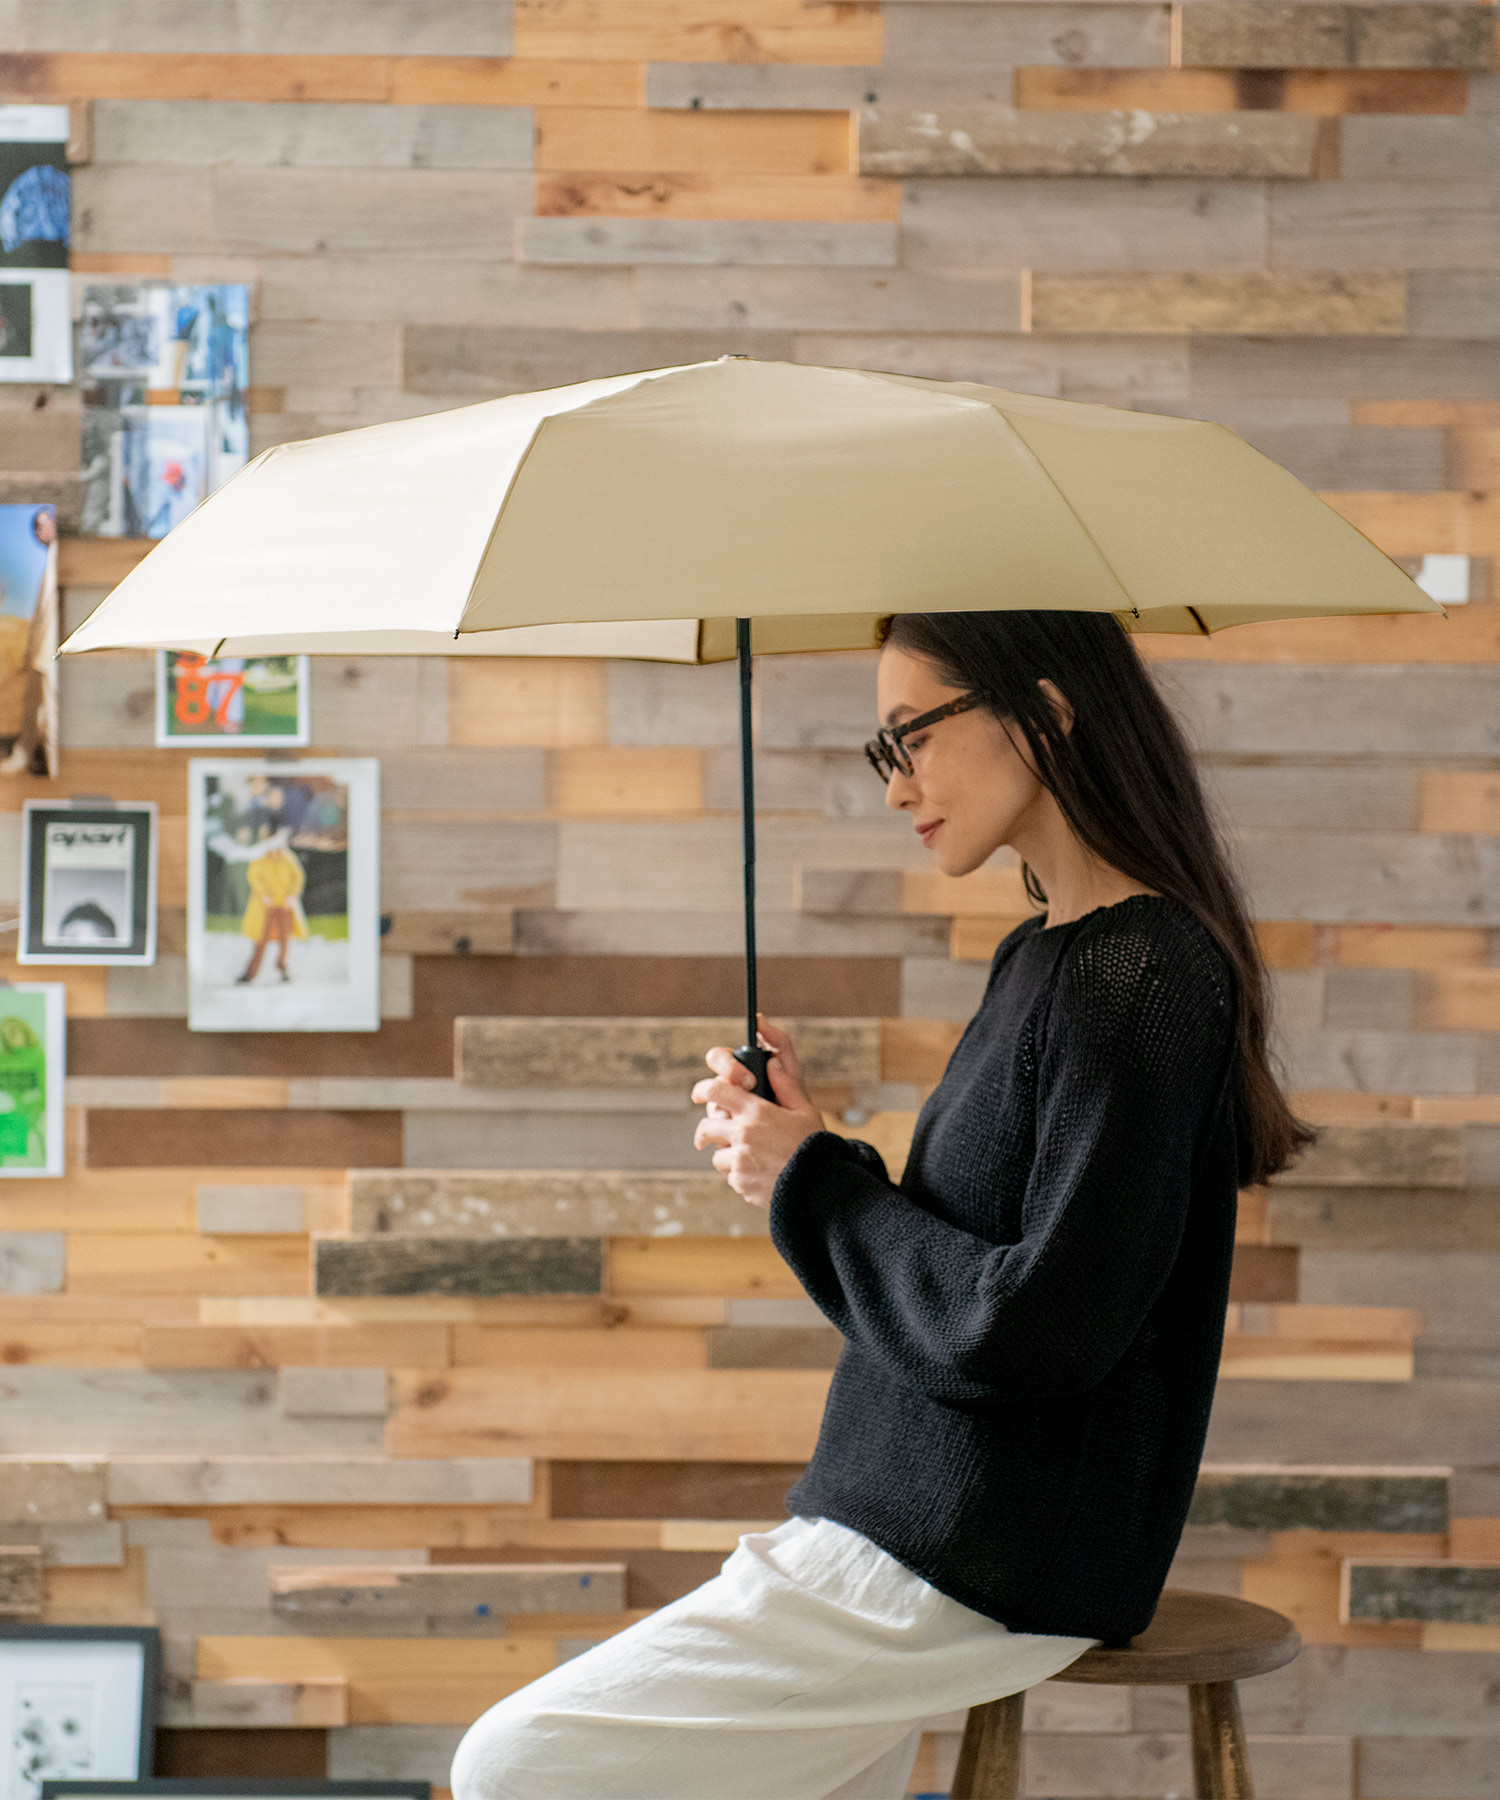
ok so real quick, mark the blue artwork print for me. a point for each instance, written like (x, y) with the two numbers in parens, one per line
(35, 208)
(35, 201)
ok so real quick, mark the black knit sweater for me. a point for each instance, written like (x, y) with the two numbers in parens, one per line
(1034, 1316)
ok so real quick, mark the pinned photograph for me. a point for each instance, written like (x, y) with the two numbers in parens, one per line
(31, 1078)
(36, 335)
(28, 640)
(164, 368)
(253, 702)
(88, 883)
(284, 895)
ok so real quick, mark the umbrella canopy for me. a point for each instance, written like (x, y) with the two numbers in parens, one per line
(699, 513)
(641, 515)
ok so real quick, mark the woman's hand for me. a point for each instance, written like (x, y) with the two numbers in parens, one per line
(756, 1138)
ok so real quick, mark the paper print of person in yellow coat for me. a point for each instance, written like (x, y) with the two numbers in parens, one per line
(274, 914)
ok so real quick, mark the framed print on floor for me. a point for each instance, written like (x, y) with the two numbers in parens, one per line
(32, 1066)
(245, 702)
(284, 895)
(88, 882)
(76, 1701)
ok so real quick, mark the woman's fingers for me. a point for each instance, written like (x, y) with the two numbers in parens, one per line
(719, 1092)
(780, 1041)
(724, 1062)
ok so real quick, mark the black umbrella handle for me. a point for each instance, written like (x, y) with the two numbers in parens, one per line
(749, 1053)
(755, 1061)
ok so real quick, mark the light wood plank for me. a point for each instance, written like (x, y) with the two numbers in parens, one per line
(1328, 92)
(729, 1415)
(1418, 415)
(625, 780)
(1457, 1000)
(1277, 303)
(704, 143)
(273, 1347)
(1300, 1579)
(674, 194)
(513, 81)
(501, 1347)
(716, 1267)
(141, 1200)
(184, 1263)
(142, 75)
(246, 1702)
(916, 1049)
(1407, 946)
(99, 1596)
(71, 1345)
(1466, 634)
(1450, 524)
(751, 31)
(86, 989)
(1458, 800)
(424, 1681)
(547, 701)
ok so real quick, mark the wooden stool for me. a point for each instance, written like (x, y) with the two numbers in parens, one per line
(1203, 1642)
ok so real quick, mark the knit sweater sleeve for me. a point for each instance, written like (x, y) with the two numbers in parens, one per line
(1131, 1052)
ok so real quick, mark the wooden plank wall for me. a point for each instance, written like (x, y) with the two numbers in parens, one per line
(318, 1340)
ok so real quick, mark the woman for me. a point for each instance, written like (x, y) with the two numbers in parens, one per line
(1032, 1316)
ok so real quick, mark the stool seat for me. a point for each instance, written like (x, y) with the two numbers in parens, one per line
(1194, 1637)
(1203, 1642)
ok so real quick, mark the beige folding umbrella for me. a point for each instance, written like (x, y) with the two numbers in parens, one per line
(696, 513)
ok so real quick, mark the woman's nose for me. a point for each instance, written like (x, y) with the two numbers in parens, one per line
(900, 791)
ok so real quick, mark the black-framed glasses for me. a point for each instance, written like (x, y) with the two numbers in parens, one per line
(887, 750)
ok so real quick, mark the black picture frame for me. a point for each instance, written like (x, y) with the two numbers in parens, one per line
(184, 1787)
(149, 1639)
(138, 818)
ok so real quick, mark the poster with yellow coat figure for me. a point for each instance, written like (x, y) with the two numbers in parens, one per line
(283, 894)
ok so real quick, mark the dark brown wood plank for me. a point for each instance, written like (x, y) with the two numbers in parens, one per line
(215, 1753)
(183, 1137)
(665, 986)
(146, 1046)
(669, 1490)
(1264, 1272)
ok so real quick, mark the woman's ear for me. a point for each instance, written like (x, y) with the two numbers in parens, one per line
(1062, 709)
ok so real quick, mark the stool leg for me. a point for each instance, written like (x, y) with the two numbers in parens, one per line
(989, 1759)
(1221, 1765)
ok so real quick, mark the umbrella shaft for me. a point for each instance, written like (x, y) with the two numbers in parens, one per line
(747, 826)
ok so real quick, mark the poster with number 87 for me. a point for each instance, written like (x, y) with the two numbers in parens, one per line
(257, 702)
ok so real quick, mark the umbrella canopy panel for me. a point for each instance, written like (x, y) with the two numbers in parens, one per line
(641, 515)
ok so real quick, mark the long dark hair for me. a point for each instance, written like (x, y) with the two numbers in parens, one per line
(1125, 781)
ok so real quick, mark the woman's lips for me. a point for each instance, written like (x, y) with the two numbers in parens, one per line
(925, 831)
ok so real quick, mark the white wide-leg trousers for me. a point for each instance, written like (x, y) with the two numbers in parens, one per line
(802, 1671)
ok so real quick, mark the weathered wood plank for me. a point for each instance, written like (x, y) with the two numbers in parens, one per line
(1385, 1219)
(52, 1490)
(441, 1601)
(648, 1053)
(1329, 92)
(1249, 34)
(551, 1265)
(216, 27)
(583, 241)
(1430, 1156)
(1450, 1593)
(1271, 303)
(1290, 1498)
(253, 134)
(313, 1480)
(20, 1581)
(979, 140)
(543, 1202)
(720, 1415)
(248, 1702)
(310, 1392)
